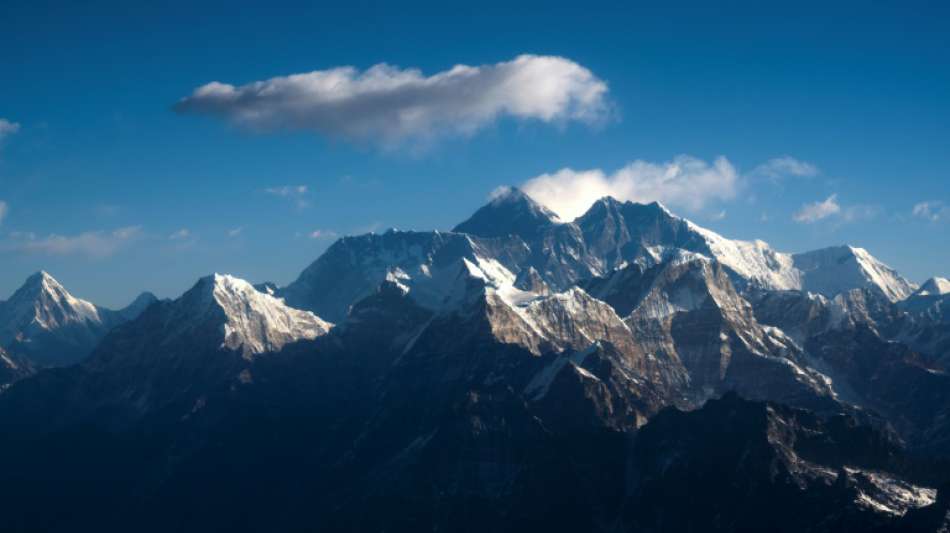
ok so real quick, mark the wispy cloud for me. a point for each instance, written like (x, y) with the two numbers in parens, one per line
(856, 213)
(322, 234)
(298, 193)
(90, 243)
(778, 168)
(832, 210)
(932, 210)
(287, 190)
(180, 235)
(7, 128)
(235, 232)
(685, 182)
(107, 210)
(811, 213)
(4, 209)
(390, 105)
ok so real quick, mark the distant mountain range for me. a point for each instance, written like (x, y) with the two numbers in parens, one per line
(625, 371)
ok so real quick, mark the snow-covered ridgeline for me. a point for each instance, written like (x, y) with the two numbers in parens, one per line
(651, 232)
(257, 322)
(755, 261)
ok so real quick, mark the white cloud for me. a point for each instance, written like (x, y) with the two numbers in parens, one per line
(7, 128)
(235, 232)
(391, 105)
(685, 182)
(90, 243)
(810, 213)
(322, 234)
(718, 216)
(781, 167)
(931, 210)
(181, 234)
(4, 209)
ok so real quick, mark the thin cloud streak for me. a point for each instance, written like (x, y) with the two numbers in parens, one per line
(777, 168)
(932, 210)
(95, 244)
(322, 234)
(181, 234)
(298, 193)
(287, 190)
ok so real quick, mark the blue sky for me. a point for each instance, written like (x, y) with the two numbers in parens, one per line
(834, 122)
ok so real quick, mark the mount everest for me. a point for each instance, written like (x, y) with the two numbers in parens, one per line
(516, 372)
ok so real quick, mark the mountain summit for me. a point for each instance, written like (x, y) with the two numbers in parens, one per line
(42, 324)
(831, 271)
(44, 303)
(934, 287)
(510, 212)
(253, 322)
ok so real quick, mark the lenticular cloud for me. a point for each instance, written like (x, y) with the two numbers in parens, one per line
(390, 105)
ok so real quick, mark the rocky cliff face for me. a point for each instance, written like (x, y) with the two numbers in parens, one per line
(687, 311)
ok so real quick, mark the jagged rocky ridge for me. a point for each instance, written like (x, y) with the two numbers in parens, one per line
(524, 373)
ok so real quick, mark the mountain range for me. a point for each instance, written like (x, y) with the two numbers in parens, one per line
(625, 371)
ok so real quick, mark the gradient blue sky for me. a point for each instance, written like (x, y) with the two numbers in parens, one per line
(101, 175)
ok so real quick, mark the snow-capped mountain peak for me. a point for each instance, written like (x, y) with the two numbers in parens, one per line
(836, 269)
(46, 325)
(514, 196)
(509, 212)
(255, 322)
(934, 286)
(44, 303)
